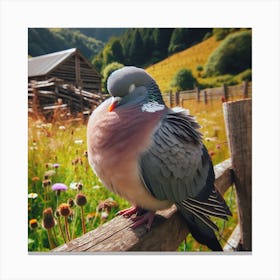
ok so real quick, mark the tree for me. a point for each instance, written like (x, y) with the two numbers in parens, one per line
(233, 55)
(183, 80)
(177, 41)
(136, 51)
(117, 50)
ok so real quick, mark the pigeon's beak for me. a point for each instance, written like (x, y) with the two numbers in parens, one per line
(116, 100)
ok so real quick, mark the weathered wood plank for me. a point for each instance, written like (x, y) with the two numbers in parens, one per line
(233, 241)
(238, 119)
(168, 230)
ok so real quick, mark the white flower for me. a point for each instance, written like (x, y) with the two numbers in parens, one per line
(32, 195)
(62, 127)
(78, 141)
(96, 187)
(104, 215)
(73, 185)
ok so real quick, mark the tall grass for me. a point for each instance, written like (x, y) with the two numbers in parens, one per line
(57, 154)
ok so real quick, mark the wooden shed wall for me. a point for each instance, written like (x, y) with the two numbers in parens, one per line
(80, 75)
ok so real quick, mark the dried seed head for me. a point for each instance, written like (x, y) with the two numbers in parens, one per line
(46, 183)
(71, 202)
(79, 186)
(48, 219)
(81, 199)
(64, 209)
(57, 213)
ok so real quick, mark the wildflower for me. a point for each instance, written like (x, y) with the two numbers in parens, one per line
(73, 185)
(35, 179)
(58, 215)
(90, 216)
(77, 160)
(78, 141)
(104, 215)
(48, 219)
(33, 223)
(64, 209)
(48, 165)
(32, 195)
(46, 182)
(58, 187)
(107, 204)
(79, 186)
(71, 202)
(81, 200)
(96, 187)
(48, 224)
(49, 173)
(61, 127)
(211, 153)
(56, 165)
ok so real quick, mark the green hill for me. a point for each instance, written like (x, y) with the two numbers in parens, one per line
(47, 40)
(196, 60)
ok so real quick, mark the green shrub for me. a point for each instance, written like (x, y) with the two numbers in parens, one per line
(183, 80)
(110, 68)
(233, 56)
(246, 75)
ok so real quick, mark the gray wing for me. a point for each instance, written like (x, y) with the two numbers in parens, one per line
(175, 166)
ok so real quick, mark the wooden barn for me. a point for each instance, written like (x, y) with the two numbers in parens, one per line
(68, 65)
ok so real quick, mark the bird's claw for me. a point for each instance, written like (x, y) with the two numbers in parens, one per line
(139, 216)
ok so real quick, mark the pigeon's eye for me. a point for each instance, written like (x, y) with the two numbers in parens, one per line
(131, 88)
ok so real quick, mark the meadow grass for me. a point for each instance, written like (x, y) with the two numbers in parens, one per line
(191, 58)
(57, 154)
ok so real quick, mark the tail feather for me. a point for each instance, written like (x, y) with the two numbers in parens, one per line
(197, 214)
(201, 229)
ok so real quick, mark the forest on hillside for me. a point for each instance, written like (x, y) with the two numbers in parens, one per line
(137, 46)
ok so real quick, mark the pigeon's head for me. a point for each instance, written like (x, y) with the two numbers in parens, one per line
(129, 84)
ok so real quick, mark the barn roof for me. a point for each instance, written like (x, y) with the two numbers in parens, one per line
(43, 64)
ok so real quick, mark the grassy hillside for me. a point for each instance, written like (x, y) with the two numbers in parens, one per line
(190, 58)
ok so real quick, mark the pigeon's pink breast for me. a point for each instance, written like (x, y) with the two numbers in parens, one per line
(115, 141)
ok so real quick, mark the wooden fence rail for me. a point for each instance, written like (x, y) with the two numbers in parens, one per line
(225, 93)
(44, 97)
(169, 228)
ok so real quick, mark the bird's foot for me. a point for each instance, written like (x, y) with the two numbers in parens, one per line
(139, 216)
(146, 218)
(129, 211)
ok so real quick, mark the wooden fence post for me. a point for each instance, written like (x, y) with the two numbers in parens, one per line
(238, 120)
(35, 99)
(225, 92)
(205, 97)
(245, 89)
(170, 99)
(177, 98)
(197, 94)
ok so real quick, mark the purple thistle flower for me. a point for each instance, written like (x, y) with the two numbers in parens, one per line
(59, 187)
(56, 165)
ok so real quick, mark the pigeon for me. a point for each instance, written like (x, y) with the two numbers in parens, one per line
(153, 156)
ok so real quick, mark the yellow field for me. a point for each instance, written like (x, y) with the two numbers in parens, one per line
(190, 58)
